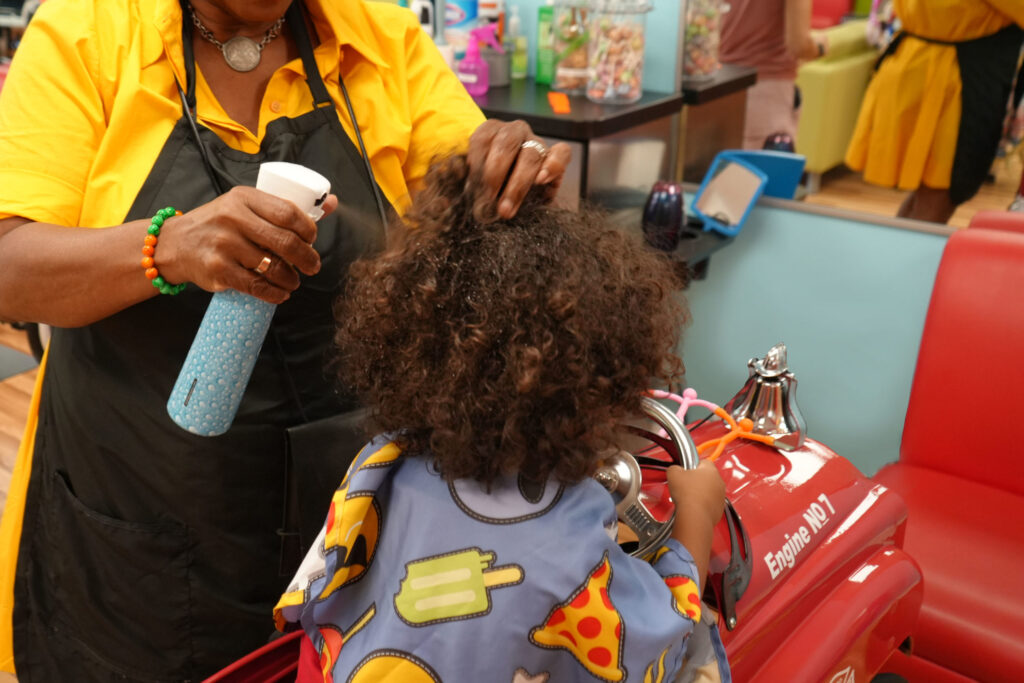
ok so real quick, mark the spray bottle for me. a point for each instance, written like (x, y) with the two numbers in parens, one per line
(216, 371)
(519, 45)
(473, 70)
(546, 57)
(424, 11)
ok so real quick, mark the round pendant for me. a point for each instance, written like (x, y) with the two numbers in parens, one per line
(241, 53)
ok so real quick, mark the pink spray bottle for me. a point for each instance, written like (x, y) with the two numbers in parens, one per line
(473, 70)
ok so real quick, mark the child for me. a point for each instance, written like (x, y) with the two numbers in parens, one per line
(469, 541)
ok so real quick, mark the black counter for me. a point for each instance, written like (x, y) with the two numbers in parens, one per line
(727, 80)
(695, 247)
(528, 100)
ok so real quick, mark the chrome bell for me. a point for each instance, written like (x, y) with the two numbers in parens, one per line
(768, 399)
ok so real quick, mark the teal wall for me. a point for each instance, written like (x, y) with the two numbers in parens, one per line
(847, 298)
(659, 53)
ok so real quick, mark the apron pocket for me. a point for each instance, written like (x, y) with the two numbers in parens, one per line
(128, 606)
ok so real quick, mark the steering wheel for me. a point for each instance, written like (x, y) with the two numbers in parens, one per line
(622, 475)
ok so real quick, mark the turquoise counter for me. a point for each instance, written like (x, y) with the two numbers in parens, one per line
(846, 292)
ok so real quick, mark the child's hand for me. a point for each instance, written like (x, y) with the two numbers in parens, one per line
(699, 491)
(699, 497)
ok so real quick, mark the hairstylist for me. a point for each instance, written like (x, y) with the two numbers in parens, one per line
(136, 550)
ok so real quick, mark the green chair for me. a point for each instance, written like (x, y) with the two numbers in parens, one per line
(832, 89)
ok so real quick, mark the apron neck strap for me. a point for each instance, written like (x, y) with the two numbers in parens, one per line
(297, 24)
(190, 57)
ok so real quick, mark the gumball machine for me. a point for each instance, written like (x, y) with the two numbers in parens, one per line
(702, 37)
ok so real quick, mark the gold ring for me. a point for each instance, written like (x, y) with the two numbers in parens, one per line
(537, 145)
(264, 265)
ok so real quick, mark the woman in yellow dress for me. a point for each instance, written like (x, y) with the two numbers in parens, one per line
(932, 116)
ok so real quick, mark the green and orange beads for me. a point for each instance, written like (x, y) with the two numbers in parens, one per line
(149, 249)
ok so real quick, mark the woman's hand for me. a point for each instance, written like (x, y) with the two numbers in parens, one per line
(222, 245)
(497, 152)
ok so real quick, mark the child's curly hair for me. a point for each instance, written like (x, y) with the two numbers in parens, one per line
(506, 346)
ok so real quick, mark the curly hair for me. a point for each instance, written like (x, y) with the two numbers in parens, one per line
(505, 347)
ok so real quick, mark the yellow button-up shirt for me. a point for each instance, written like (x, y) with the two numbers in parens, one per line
(91, 98)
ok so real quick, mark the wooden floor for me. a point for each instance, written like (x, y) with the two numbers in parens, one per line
(15, 395)
(841, 188)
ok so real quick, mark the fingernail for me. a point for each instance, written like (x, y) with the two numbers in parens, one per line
(506, 208)
(543, 176)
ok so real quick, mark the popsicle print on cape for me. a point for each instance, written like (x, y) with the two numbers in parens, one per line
(452, 586)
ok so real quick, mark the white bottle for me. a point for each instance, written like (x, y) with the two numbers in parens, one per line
(216, 371)
(424, 11)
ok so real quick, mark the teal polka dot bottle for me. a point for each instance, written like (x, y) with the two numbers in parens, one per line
(218, 366)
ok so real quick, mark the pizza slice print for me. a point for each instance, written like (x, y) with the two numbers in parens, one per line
(588, 626)
(687, 597)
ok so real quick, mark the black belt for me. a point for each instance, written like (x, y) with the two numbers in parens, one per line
(898, 38)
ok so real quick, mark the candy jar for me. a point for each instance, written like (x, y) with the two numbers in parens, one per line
(571, 36)
(616, 52)
(703, 33)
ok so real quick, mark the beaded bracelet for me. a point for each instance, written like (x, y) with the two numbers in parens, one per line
(149, 249)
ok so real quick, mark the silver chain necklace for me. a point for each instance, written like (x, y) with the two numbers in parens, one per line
(241, 53)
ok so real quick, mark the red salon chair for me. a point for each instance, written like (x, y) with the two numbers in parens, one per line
(275, 662)
(998, 220)
(961, 470)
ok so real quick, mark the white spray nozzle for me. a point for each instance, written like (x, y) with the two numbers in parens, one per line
(302, 186)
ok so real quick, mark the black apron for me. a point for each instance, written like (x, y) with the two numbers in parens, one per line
(987, 67)
(148, 553)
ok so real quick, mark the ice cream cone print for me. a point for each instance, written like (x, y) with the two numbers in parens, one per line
(588, 626)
